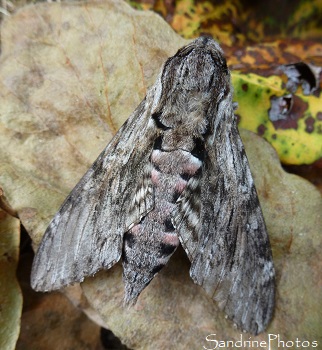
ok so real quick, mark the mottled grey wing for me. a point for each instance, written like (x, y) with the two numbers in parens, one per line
(86, 234)
(222, 229)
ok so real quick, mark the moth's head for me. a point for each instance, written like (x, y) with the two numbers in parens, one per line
(193, 81)
(199, 67)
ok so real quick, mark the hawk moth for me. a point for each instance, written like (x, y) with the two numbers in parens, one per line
(175, 173)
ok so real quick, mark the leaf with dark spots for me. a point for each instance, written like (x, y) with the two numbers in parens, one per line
(286, 110)
(303, 74)
(261, 130)
(280, 107)
(309, 122)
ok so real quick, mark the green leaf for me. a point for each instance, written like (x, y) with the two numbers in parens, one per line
(10, 293)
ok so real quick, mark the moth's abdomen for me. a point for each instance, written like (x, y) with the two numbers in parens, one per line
(149, 244)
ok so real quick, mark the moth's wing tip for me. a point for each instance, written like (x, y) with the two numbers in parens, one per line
(43, 280)
(251, 310)
(253, 327)
(43, 285)
(39, 286)
(254, 319)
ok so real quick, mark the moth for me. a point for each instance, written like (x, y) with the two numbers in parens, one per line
(175, 173)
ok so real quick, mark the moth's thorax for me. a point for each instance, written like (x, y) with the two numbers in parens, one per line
(181, 131)
(173, 140)
(187, 114)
